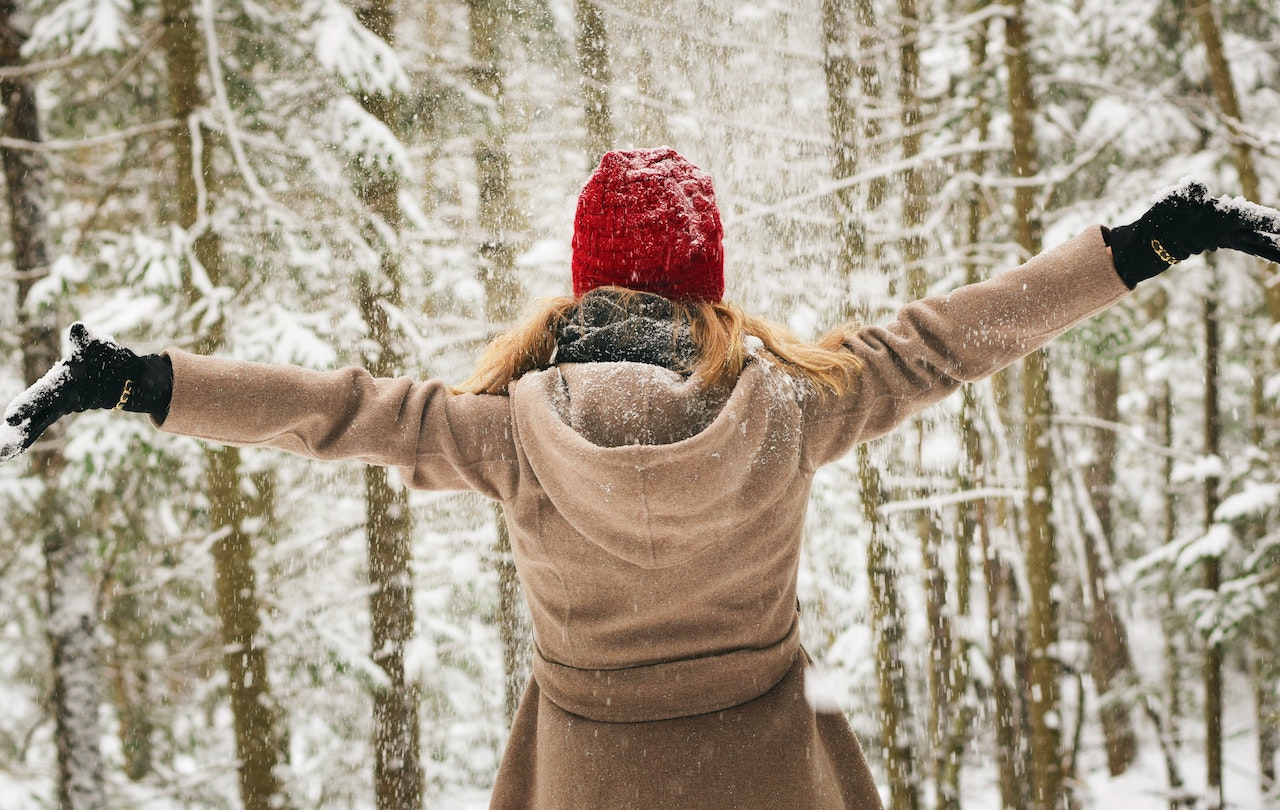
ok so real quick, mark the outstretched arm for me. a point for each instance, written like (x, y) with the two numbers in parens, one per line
(438, 440)
(937, 343)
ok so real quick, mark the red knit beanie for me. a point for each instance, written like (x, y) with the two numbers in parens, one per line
(647, 220)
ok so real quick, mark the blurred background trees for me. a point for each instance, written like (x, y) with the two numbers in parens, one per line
(1056, 586)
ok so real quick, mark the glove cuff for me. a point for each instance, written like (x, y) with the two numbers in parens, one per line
(1138, 254)
(148, 388)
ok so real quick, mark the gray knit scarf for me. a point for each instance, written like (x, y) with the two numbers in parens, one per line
(607, 328)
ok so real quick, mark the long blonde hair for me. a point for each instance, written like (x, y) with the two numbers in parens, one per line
(720, 331)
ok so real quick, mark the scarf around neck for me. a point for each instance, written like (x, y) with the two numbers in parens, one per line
(605, 327)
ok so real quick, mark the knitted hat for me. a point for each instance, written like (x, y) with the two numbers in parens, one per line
(647, 221)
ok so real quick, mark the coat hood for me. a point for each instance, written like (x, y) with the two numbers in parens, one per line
(649, 465)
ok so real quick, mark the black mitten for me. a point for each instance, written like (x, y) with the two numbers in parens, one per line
(98, 373)
(1186, 221)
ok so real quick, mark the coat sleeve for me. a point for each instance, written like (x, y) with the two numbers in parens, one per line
(438, 439)
(937, 343)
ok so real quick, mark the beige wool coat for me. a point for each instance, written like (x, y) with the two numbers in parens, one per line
(656, 528)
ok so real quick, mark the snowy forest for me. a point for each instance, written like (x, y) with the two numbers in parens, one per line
(1056, 589)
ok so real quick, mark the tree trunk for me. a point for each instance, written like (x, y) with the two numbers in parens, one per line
(1008, 668)
(1166, 718)
(259, 743)
(840, 70)
(1110, 662)
(652, 126)
(397, 769)
(945, 745)
(944, 764)
(888, 626)
(975, 520)
(915, 205)
(1224, 91)
(597, 76)
(1266, 712)
(131, 630)
(70, 582)
(887, 621)
(397, 773)
(1040, 541)
(1211, 567)
(855, 131)
(497, 220)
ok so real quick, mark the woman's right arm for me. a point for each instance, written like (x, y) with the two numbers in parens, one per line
(438, 439)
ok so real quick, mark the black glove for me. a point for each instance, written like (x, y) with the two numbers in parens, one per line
(1186, 221)
(98, 374)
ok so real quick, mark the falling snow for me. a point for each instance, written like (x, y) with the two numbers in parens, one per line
(737, 87)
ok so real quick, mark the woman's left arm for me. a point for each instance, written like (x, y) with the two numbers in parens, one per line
(937, 343)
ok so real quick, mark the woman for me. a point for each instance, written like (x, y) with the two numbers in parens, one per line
(653, 449)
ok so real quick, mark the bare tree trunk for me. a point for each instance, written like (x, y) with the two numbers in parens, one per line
(975, 520)
(1111, 662)
(886, 611)
(130, 677)
(597, 76)
(1266, 710)
(260, 745)
(1008, 667)
(1224, 91)
(1212, 567)
(70, 581)
(946, 747)
(915, 205)
(1041, 549)
(944, 764)
(1166, 717)
(397, 773)
(652, 126)
(888, 626)
(839, 69)
(497, 220)
(1264, 670)
(497, 213)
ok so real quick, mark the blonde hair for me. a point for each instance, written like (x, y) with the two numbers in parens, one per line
(720, 331)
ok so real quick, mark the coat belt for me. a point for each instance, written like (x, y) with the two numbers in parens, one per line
(668, 689)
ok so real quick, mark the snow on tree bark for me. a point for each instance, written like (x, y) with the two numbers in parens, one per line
(888, 620)
(1211, 566)
(70, 583)
(398, 772)
(258, 740)
(596, 78)
(1037, 402)
(497, 216)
